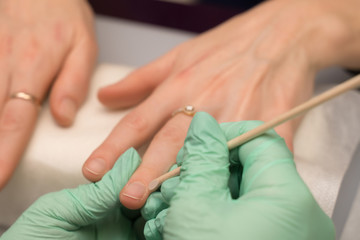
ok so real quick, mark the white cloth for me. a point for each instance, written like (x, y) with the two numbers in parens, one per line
(324, 145)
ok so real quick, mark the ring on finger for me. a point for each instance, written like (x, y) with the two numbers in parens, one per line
(26, 97)
(187, 110)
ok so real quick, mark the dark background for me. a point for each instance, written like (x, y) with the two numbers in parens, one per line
(195, 17)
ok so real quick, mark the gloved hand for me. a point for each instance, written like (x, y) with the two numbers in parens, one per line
(274, 202)
(87, 212)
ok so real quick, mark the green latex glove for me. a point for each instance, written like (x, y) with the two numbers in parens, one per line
(274, 202)
(87, 212)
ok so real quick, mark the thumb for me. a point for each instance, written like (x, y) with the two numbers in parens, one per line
(86, 204)
(266, 160)
(205, 163)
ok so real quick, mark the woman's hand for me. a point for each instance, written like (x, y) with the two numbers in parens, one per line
(43, 44)
(253, 67)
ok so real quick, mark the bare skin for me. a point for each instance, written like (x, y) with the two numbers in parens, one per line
(253, 67)
(44, 46)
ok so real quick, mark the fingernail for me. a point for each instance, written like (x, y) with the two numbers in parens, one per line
(154, 184)
(96, 166)
(135, 190)
(68, 110)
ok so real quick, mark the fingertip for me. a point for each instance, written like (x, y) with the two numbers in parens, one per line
(154, 228)
(150, 230)
(102, 160)
(203, 123)
(97, 165)
(154, 204)
(200, 117)
(204, 133)
(136, 191)
(103, 93)
(108, 98)
(134, 195)
(123, 94)
(205, 154)
(64, 111)
(66, 100)
(168, 188)
(94, 169)
(138, 85)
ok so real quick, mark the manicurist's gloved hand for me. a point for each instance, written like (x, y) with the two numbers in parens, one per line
(88, 212)
(274, 202)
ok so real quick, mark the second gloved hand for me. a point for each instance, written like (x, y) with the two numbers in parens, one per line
(274, 202)
(88, 212)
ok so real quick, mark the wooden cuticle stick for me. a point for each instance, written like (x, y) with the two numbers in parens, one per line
(350, 84)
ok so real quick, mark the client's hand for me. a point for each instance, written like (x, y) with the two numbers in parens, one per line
(43, 44)
(253, 67)
(88, 212)
(274, 202)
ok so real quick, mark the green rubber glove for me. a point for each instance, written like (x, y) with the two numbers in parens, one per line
(87, 212)
(274, 202)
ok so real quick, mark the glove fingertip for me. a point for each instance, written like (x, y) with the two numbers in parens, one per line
(203, 126)
(168, 188)
(153, 203)
(151, 232)
(202, 120)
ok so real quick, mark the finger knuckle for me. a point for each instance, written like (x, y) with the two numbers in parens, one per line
(136, 122)
(31, 50)
(6, 42)
(59, 32)
(184, 76)
(171, 133)
(10, 121)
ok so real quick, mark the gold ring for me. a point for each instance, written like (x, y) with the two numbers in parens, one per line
(26, 97)
(187, 110)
